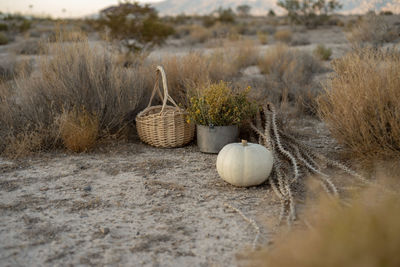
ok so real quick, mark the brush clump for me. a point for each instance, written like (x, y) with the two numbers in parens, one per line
(78, 129)
(363, 233)
(361, 107)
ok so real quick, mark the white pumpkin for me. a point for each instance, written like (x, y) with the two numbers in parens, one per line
(244, 164)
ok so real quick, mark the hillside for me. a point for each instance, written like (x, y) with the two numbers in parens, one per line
(261, 7)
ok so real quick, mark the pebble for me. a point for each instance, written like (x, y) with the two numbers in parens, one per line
(87, 188)
(105, 230)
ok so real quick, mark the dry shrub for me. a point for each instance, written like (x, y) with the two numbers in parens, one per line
(223, 30)
(184, 72)
(75, 75)
(226, 62)
(372, 30)
(262, 38)
(290, 75)
(364, 233)
(3, 39)
(322, 52)
(11, 68)
(30, 47)
(78, 129)
(245, 54)
(222, 65)
(22, 144)
(361, 107)
(8, 66)
(199, 34)
(284, 36)
(196, 69)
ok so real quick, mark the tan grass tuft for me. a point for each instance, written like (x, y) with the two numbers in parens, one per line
(78, 129)
(284, 36)
(290, 74)
(361, 106)
(364, 233)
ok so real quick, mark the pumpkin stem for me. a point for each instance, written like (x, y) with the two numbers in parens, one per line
(244, 142)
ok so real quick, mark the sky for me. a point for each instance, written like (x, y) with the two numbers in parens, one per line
(58, 8)
(80, 8)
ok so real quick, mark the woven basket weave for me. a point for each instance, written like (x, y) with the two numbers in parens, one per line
(163, 125)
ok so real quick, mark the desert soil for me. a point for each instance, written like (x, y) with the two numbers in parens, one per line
(130, 204)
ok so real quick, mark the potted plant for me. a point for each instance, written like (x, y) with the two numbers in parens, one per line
(217, 111)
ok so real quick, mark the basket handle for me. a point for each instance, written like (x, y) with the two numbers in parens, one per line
(166, 96)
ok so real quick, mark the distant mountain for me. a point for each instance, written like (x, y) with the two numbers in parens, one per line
(261, 7)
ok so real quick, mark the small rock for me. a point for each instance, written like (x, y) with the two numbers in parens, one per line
(43, 188)
(87, 188)
(105, 230)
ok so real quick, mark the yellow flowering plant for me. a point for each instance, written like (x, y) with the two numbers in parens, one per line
(217, 104)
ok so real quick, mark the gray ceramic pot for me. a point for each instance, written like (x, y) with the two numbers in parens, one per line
(211, 139)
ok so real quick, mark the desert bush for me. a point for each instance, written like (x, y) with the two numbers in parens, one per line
(226, 61)
(136, 27)
(182, 31)
(245, 53)
(361, 106)
(290, 74)
(221, 30)
(323, 52)
(8, 66)
(78, 129)
(371, 30)
(199, 34)
(363, 233)
(3, 27)
(183, 73)
(226, 15)
(208, 21)
(75, 75)
(24, 25)
(30, 47)
(311, 13)
(262, 38)
(284, 36)
(222, 64)
(3, 39)
(11, 68)
(267, 29)
(196, 69)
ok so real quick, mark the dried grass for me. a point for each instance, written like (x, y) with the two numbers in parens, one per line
(361, 106)
(183, 73)
(78, 129)
(262, 38)
(199, 34)
(75, 75)
(322, 52)
(11, 68)
(284, 36)
(290, 75)
(363, 233)
(372, 30)
(196, 69)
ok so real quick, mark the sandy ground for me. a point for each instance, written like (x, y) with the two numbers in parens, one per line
(129, 204)
(135, 205)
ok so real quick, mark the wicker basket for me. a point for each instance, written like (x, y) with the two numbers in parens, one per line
(163, 125)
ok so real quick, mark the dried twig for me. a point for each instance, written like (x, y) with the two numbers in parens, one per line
(250, 221)
(292, 159)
